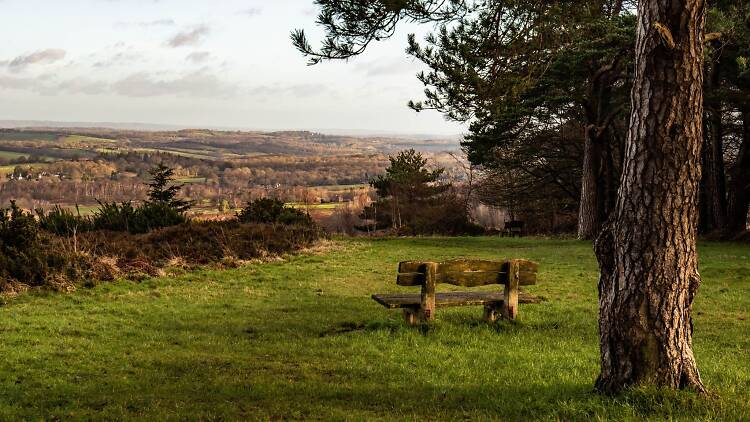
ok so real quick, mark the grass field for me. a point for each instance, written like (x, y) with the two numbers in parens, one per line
(316, 206)
(301, 340)
(27, 136)
(11, 155)
(4, 170)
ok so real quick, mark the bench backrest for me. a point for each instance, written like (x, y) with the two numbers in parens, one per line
(514, 225)
(468, 272)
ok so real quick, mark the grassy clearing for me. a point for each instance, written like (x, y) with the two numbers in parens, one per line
(5, 170)
(10, 155)
(302, 340)
(316, 206)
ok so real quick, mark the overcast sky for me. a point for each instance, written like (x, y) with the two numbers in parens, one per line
(226, 63)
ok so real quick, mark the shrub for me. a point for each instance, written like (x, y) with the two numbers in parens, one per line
(63, 222)
(115, 217)
(267, 210)
(156, 215)
(30, 256)
(19, 240)
(127, 218)
(201, 242)
(19, 230)
(163, 208)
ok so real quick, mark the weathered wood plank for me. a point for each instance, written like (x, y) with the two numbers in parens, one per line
(467, 273)
(410, 279)
(427, 297)
(466, 279)
(453, 265)
(400, 300)
(471, 278)
(509, 309)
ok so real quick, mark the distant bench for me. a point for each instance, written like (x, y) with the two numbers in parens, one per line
(513, 228)
(466, 273)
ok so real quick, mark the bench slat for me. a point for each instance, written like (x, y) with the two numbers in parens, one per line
(397, 300)
(467, 273)
(455, 265)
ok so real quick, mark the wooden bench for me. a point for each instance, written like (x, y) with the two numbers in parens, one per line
(467, 273)
(513, 228)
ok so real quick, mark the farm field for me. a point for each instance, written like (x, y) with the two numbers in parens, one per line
(4, 170)
(11, 155)
(302, 340)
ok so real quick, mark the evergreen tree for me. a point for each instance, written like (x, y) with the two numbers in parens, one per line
(163, 191)
(412, 198)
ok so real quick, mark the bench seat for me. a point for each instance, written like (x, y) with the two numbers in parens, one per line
(405, 300)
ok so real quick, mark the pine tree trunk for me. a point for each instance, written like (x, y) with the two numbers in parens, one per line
(647, 256)
(740, 191)
(589, 223)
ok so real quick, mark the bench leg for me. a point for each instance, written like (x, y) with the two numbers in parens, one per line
(427, 298)
(410, 316)
(510, 295)
(491, 313)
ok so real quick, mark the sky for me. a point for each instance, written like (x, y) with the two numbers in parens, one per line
(199, 63)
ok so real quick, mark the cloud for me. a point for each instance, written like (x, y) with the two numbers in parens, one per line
(8, 82)
(46, 85)
(123, 57)
(198, 84)
(394, 66)
(47, 56)
(198, 56)
(82, 85)
(195, 84)
(296, 90)
(190, 37)
(148, 24)
(253, 11)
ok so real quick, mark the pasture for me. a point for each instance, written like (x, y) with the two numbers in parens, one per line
(300, 339)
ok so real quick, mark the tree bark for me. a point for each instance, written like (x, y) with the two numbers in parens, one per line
(593, 207)
(647, 252)
(589, 222)
(739, 204)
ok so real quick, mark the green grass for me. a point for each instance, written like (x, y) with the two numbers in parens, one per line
(302, 340)
(316, 206)
(10, 155)
(27, 136)
(4, 170)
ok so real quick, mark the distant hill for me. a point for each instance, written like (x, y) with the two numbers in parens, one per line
(130, 126)
(203, 143)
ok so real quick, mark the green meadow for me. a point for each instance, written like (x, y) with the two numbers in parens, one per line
(10, 155)
(300, 339)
